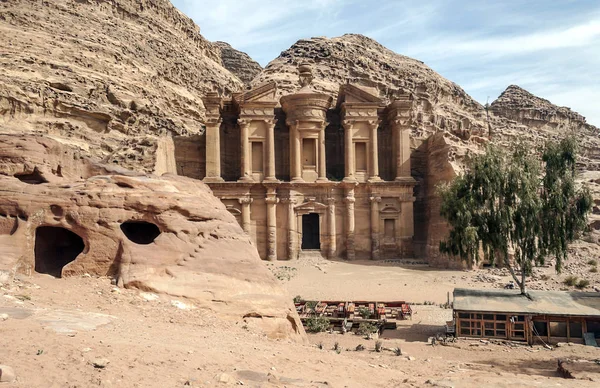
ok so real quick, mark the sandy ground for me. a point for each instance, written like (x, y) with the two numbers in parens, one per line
(84, 332)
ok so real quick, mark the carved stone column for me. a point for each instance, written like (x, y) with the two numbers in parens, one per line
(270, 176)
(296, 163)
(213, 151)
(246, 172)
(291, 243)
(402, 138)
(245, 202)
(375, 235)
(374, 176)
(332, 233)
(322, 157)
(271, 201)
(350, 252)
(349, 151)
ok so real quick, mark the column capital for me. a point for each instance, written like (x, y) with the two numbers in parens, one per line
(244, 122)
(213, 121)
(402, 123)
(245, 201)
(374, 123)
(270, 122)
(350, 199)
(348, 124)
(272, 200)
(330, 201)
(375, 199)
(291, 201)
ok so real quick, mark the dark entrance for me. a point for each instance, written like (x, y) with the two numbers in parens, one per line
(311, 238)
(55, 247)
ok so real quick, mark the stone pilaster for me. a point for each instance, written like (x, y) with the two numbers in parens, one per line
(271, 201)
(245, 202)
(246, 172)
(295, 162)
(350, 227)
(292, 233)
(332, 232)
(322, 159)
(349, 151)
(374, 173)
(270, 170)
(375, 235)
(213, 150)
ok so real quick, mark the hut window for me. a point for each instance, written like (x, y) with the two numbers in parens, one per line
(558, 329)
(575, 330)
(541, 328)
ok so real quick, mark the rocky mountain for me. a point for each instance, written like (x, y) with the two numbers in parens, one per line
(239, 63)
(363, 61)
(114, 78)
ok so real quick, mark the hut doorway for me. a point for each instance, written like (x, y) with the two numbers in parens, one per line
(55, 247)
(311, 236)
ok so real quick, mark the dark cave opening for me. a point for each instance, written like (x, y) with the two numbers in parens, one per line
(55, 247)
(140, 232)
(35, 178)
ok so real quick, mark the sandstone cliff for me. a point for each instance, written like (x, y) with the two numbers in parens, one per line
(239, 63)
(168, 235)
(110, 77)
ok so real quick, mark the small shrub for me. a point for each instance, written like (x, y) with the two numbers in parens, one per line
(378, 346)
(366, 329)
(317, 324)
(311, 304)
(594, 269)
(545, 277)
(298, 299)
(336, 346)
(397, 351)
(570, 280)
(592, 262)
(583, 283)
(360, 348)
(364, 312)
(320, 345)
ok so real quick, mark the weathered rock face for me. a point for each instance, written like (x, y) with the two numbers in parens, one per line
(239, 63)
(353, 58)
(168, 235)
(112, 77)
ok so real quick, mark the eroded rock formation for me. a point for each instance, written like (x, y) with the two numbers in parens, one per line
(112, 77)
(239, 63)
(168, 235)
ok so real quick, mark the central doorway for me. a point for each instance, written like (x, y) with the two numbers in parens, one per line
(311, 236)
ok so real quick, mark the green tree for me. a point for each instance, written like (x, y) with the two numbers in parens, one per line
(516, 201)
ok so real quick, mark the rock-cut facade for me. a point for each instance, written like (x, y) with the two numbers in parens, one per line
(304, 173)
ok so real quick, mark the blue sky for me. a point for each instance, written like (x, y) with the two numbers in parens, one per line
(551, 48)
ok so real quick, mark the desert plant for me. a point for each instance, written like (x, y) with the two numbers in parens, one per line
(366, 328)
(545, 277)
(516, 200)
(594, 269)
(310, 305)
(320, 345)
(364, 312)
(397, 351)
(298, 299)
(378, 346)
(570, 280)
(592, 262)
(317, 324)
(360, 347)
(336, 346)
(583, 283)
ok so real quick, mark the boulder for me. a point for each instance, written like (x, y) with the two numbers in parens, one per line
(164, 234)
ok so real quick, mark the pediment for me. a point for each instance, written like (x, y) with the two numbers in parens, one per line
(390, 210)
(263, 93)
(311, 207)
(354, 94)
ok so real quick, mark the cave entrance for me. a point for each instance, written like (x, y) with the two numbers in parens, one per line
(140, 232)
(55, 247)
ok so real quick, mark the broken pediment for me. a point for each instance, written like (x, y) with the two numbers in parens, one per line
(355, 94)
(264, 93)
